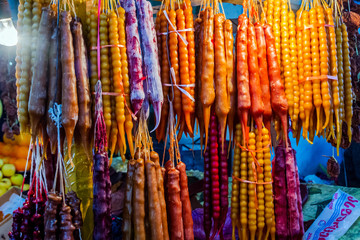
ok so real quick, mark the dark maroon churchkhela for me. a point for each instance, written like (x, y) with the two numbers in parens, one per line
(50, 216)
(101, 178)
(66, 226)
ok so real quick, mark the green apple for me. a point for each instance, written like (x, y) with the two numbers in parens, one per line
(8, 170)
(5, 183)
(2, 191)
(26, 187)
(17, 179)
(1, 163)
(1, 175)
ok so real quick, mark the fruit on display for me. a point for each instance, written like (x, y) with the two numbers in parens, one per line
(8, 177)
(21, 152)
(5, 183)
(5, 150)
(23, 139)
(8, 170)
(17, 179)
(15, 151)
(4, 160)
(20, 164)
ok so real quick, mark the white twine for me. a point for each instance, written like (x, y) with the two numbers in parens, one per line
(98, 105)
(181, 85)
(27, 163)
(182, 38)
(181, 30)
(32, 161)
(55, 115)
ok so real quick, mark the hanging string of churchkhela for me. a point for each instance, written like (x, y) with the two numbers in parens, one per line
(135, 60)
(44, 104)
(54, 85)
(175, 37)
(69, 100)
(150, 58)
(101, 178)
(29, 16)
(176, 183)
(143, 190)
(38, 90)
(83, 125)
(73, 201)
(29, 220)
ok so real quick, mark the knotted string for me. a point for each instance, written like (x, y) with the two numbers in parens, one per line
(178, 86)
(176, 31)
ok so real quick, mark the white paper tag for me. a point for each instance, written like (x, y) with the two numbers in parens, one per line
(335, 219)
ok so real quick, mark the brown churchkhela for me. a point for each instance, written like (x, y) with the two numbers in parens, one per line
(154, 206)
(160, 185)
(74, 202)
(70, 109)
(174, 205)
(50, 216)
(66, 226)
(82, 83)
(127, 215)
(54, 88)
(199, 34)
(139, 200)
(38, 91)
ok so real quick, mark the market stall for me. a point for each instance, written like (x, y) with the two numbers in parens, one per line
(177, 119)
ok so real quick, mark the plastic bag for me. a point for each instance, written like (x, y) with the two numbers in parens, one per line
(80, 180)
(14, 203)
(335, 219)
